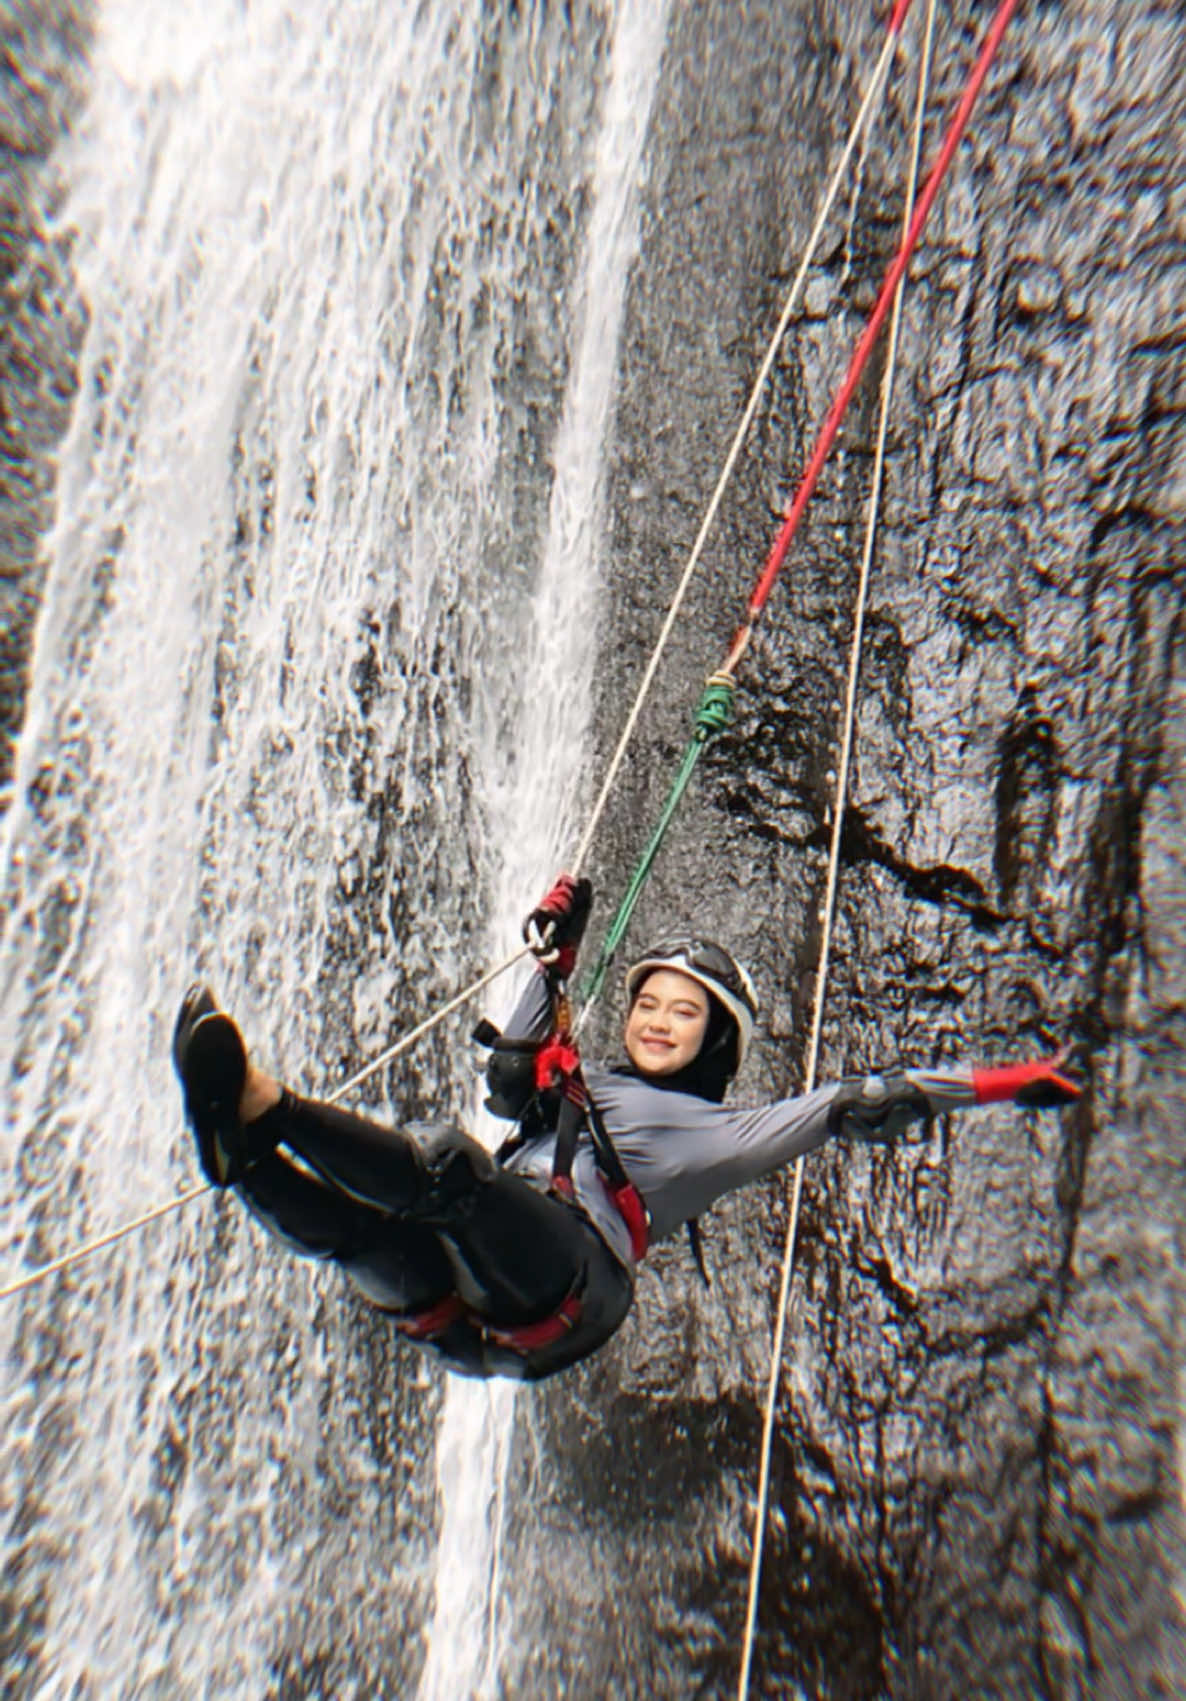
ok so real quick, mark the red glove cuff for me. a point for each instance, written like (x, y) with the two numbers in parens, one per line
(995, 1086)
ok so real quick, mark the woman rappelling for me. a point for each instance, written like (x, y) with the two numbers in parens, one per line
(523, 1263)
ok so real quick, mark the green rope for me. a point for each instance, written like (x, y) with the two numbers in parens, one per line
(712, 717)
(716, 707)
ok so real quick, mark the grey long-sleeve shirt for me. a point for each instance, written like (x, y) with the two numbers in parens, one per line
(683, 1153)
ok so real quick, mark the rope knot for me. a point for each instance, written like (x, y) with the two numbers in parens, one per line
(716, 706)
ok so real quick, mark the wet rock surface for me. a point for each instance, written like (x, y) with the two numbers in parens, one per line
(976, 1486)
(42, 320)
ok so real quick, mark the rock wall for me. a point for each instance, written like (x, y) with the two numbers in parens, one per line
(976, 1484)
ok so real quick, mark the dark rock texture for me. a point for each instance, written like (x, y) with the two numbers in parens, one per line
(42, 321)
(976, 1485)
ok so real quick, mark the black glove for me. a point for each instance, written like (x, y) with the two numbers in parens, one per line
(554, 929)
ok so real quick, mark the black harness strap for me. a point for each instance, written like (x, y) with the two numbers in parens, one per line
(558, 1065)
(579, 1110)
(568, 1133)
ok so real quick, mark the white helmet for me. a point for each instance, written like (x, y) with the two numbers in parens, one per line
(717, 972)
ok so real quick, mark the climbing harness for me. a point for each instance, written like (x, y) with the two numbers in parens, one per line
(434, 1322)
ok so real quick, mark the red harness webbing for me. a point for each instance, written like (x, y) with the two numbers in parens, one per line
(435, 1321)
(431, 1323)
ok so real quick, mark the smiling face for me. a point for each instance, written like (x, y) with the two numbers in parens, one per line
(667, 1022)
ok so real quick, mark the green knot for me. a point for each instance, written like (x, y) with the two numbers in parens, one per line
(716, 707)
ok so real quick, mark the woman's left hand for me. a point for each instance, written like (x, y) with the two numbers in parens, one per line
(554, 929)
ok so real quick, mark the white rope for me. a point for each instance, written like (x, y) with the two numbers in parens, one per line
(875, 86)
(426, 1026)
(68, 1258)
(829, 904)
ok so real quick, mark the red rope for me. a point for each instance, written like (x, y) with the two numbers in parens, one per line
(864, 348)
(899, 17)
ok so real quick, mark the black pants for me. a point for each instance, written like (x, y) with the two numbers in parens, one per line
(417, 1216)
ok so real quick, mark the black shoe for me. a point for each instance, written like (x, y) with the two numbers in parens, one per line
(210, 1058)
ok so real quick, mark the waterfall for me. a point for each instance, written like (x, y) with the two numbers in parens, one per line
(535, 813)
(308, 707)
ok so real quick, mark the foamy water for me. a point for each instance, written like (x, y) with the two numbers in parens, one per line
(308, 715)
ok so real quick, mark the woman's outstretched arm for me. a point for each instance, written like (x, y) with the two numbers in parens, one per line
(684, 1154)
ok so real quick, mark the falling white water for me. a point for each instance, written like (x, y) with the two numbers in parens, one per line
(307, 713)
(535, 813)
